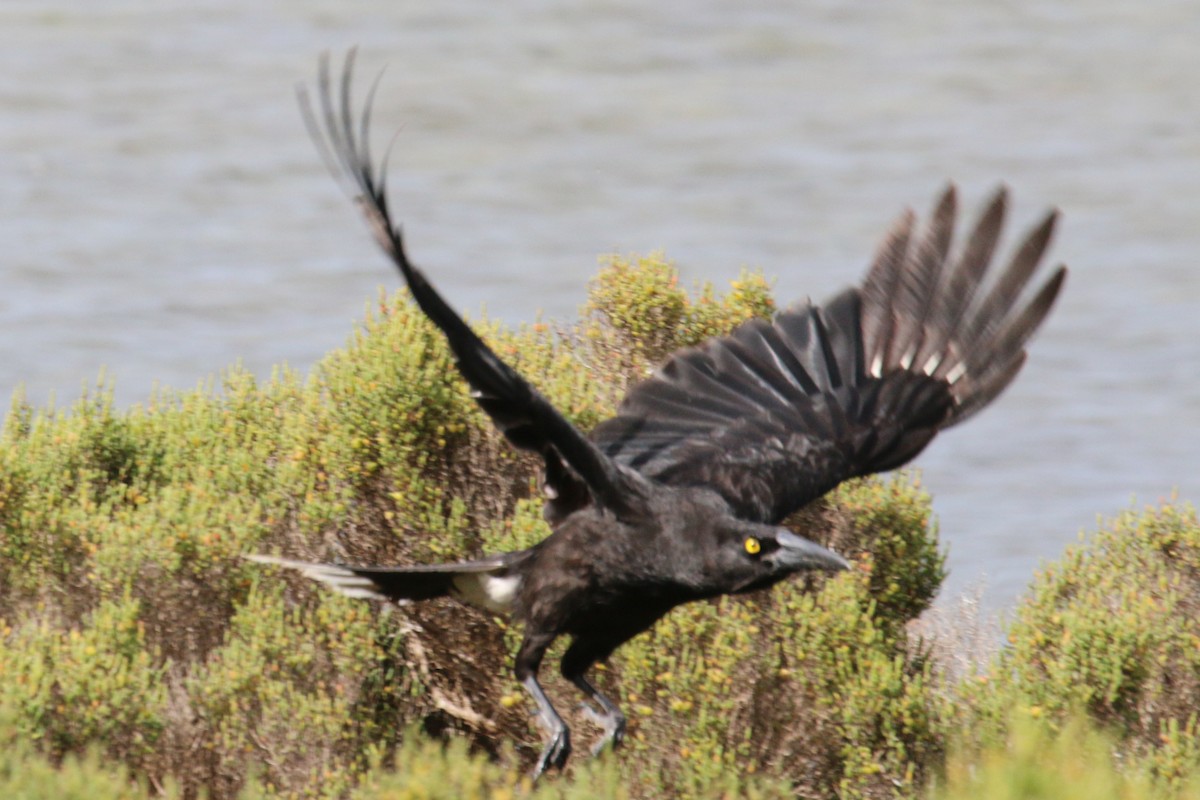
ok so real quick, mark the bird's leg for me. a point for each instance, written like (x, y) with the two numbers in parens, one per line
(609, 717)
(580, 656)
(558, 748)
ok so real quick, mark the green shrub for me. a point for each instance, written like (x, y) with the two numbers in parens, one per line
(639, 310)
(808, 687)
(69, 687)
(1111, 631)
(133, 625)
(1038, 761)
(26, 774)
(290, 691)
(132, 629)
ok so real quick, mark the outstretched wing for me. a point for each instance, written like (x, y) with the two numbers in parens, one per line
(776, 414)
(576, 470)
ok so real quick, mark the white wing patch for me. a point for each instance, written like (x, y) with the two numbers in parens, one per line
(959, 370)
(876, 370)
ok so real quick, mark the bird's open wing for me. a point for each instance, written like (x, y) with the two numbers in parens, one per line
(776, 414)
(576, 470)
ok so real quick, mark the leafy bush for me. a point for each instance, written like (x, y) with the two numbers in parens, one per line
(130, 629)
(26, 774)
(1042, 762)
(70, 686)
(1112, 631)
(637, 309)
(132, 624)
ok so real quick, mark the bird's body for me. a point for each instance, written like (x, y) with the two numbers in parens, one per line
(595, 567)
(680, 496)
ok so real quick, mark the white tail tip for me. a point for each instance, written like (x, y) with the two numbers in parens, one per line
(340, 579)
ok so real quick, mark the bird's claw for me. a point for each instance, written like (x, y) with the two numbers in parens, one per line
(555, 753)
(613, 724)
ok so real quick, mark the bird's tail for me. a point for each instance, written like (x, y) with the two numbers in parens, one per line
(490, 583)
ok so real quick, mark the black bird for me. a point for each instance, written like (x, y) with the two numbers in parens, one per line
(680, 496)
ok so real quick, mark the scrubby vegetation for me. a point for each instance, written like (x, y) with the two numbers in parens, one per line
(140, 656)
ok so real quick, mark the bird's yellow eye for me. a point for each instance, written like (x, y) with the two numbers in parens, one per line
(753, 546)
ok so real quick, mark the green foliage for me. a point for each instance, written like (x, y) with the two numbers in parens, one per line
(892, 527)
(131, 630)
(70, 686)
(286, 690)
(641, 301)
(799, 685)
(1111, 631)
(425, 770)
(1038, 761)
(395, 395)
(26, 774)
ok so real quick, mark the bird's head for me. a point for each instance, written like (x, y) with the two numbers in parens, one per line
(762, 556)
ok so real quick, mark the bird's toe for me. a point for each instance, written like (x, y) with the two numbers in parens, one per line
(614, 731)
(555, 754)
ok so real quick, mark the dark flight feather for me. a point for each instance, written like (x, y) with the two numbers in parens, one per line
(860, 385)
(521, 413)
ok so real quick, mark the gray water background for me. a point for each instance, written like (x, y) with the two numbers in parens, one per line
(163, 214)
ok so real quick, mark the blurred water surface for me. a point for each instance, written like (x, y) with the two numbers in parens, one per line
(163, 215)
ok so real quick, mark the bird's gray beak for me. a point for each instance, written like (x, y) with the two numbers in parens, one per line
(796, 554)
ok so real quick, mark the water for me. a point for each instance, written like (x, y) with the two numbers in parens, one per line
(164, 215)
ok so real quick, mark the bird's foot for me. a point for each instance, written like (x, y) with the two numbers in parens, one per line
(555, 753)
(591, 713)
(612, 721)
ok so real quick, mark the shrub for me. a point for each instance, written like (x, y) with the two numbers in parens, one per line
(637, 309)
(29, 775)
(133, 631)
(1037, 761)
(132, 625)
(1111, 631)
(69, 686)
